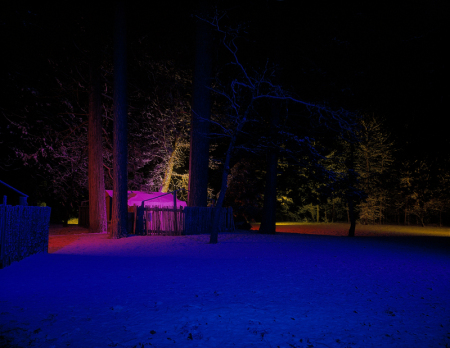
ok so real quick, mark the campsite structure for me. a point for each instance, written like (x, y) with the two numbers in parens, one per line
(156, 213)
(152, 199)
(159, 213)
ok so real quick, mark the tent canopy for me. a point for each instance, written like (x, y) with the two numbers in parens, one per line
(157, 199)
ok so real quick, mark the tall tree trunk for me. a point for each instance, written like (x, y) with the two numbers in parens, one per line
(120, 182)
(318, 215)
(268, 221)
(214, 236)
(169, 169)
(351, 210)
(224, 185)
(201, 114)
(351, 198)
(97, 204)
(332, 213)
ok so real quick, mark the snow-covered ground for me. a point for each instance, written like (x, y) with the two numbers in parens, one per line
(250, 290)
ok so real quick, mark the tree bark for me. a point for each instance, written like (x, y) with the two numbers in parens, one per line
(268, 221)
(97, 204)
(120, 182)
(201, 114)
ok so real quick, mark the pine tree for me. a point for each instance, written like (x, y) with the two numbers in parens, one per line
(374, 157)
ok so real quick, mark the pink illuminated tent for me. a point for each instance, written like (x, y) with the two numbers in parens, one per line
(156, 200)
(153, 199)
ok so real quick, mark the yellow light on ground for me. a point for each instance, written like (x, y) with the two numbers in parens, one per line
(341, 229)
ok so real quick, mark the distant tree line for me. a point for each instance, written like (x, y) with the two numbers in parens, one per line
(395, 190)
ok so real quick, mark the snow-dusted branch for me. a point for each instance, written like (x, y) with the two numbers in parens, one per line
(241, 92)
(229, 41)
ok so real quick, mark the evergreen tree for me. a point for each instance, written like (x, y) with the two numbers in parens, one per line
(419, 191)
(374, 154)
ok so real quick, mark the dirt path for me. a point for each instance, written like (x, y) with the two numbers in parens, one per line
(60, 236)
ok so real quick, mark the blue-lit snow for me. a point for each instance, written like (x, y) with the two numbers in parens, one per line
(249, 290)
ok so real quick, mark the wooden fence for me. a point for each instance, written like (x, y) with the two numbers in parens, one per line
(158, 221)
(83, 216)
(198, 220)
(23, 232)
(185, 221)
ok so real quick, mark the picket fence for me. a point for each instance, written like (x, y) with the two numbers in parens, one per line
(157, 221)
(23, 232)
(185, 221)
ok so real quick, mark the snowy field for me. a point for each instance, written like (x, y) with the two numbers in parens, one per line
(250, 290)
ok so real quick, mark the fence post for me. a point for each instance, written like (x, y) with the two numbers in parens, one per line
(175, 224)
(140, 220)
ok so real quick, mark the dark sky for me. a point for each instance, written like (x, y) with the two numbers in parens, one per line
(386, 59)
(383, 59)
(373, 58)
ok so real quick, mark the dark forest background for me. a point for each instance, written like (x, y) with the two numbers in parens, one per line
(383, 65)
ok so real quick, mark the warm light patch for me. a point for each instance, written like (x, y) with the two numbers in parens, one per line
(73, 221)
(341, 229)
